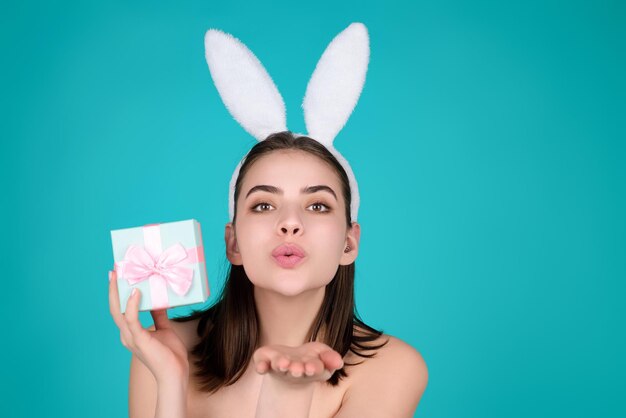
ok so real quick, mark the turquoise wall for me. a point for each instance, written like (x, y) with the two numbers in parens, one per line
(489, 145)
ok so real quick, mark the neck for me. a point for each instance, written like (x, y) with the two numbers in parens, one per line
(286, 320)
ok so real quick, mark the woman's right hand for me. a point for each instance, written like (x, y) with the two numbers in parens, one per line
(161, 350)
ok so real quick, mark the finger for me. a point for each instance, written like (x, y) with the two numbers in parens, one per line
(262, 366)
(281, 363)
(114, 308)
(160, 318)
(296, 368)
(114, 300)
(332, 360)
(260, 355)
(132, 317)
(313, 367)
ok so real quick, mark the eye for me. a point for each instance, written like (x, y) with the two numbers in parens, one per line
(261, 207)
(320, 207)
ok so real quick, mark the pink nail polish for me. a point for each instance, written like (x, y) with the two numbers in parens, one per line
(133, 292)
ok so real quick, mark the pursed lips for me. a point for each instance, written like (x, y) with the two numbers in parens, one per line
(288, 255)
(288, 249)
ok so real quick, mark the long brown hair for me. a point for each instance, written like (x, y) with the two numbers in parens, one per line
(229, 330)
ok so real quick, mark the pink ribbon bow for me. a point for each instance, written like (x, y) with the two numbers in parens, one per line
(139, 265)
(162, 269)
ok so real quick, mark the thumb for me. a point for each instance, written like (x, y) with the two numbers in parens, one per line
(332, 360)
(161, 321)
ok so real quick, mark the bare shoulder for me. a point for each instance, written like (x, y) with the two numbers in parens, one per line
(396, 357)
(397, 351)
(391, 383)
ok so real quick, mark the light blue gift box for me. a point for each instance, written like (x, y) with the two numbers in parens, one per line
(154, 240)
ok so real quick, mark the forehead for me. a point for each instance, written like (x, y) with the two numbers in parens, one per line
(291, 169)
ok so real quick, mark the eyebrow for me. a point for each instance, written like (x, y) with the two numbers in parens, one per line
(306, 190)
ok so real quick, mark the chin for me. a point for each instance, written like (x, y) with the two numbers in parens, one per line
(288, 286)
(289, 289)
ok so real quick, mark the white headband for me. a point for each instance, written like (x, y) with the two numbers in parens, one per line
(253, 100)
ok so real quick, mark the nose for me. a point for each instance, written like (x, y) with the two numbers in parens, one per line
(290, 229)
(290, 224)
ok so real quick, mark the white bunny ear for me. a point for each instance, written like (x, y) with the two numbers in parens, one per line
(336, 83)
(246, 88)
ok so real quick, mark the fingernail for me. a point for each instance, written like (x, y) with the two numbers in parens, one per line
(134, 291)
(110, 275)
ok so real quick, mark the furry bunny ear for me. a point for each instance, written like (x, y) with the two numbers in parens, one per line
(336, 84)
(246, 88)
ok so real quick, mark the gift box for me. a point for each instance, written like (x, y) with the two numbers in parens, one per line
(164, 261)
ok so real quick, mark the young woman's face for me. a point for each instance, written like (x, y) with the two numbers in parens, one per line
(291, 197)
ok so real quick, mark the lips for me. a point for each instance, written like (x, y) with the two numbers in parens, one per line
(288, 249)
(288, 255)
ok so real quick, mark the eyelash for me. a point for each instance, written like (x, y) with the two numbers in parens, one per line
(328, 208)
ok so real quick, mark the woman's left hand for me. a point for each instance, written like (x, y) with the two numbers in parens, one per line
(311, 362)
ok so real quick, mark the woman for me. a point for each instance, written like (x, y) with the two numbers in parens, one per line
(284, 339)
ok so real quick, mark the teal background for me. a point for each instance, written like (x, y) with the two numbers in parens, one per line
(489, 145)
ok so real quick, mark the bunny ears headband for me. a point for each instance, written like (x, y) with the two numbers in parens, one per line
(253, 100)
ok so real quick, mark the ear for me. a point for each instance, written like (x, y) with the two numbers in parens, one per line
(244, 85)
(336, 84)
(352, 240)
(232, 250)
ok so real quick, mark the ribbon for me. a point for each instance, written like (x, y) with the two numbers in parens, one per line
(140, 266)
(161, 268)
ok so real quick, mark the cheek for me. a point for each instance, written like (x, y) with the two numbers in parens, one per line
(248, 229)
(329, 241)
(251, 245)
